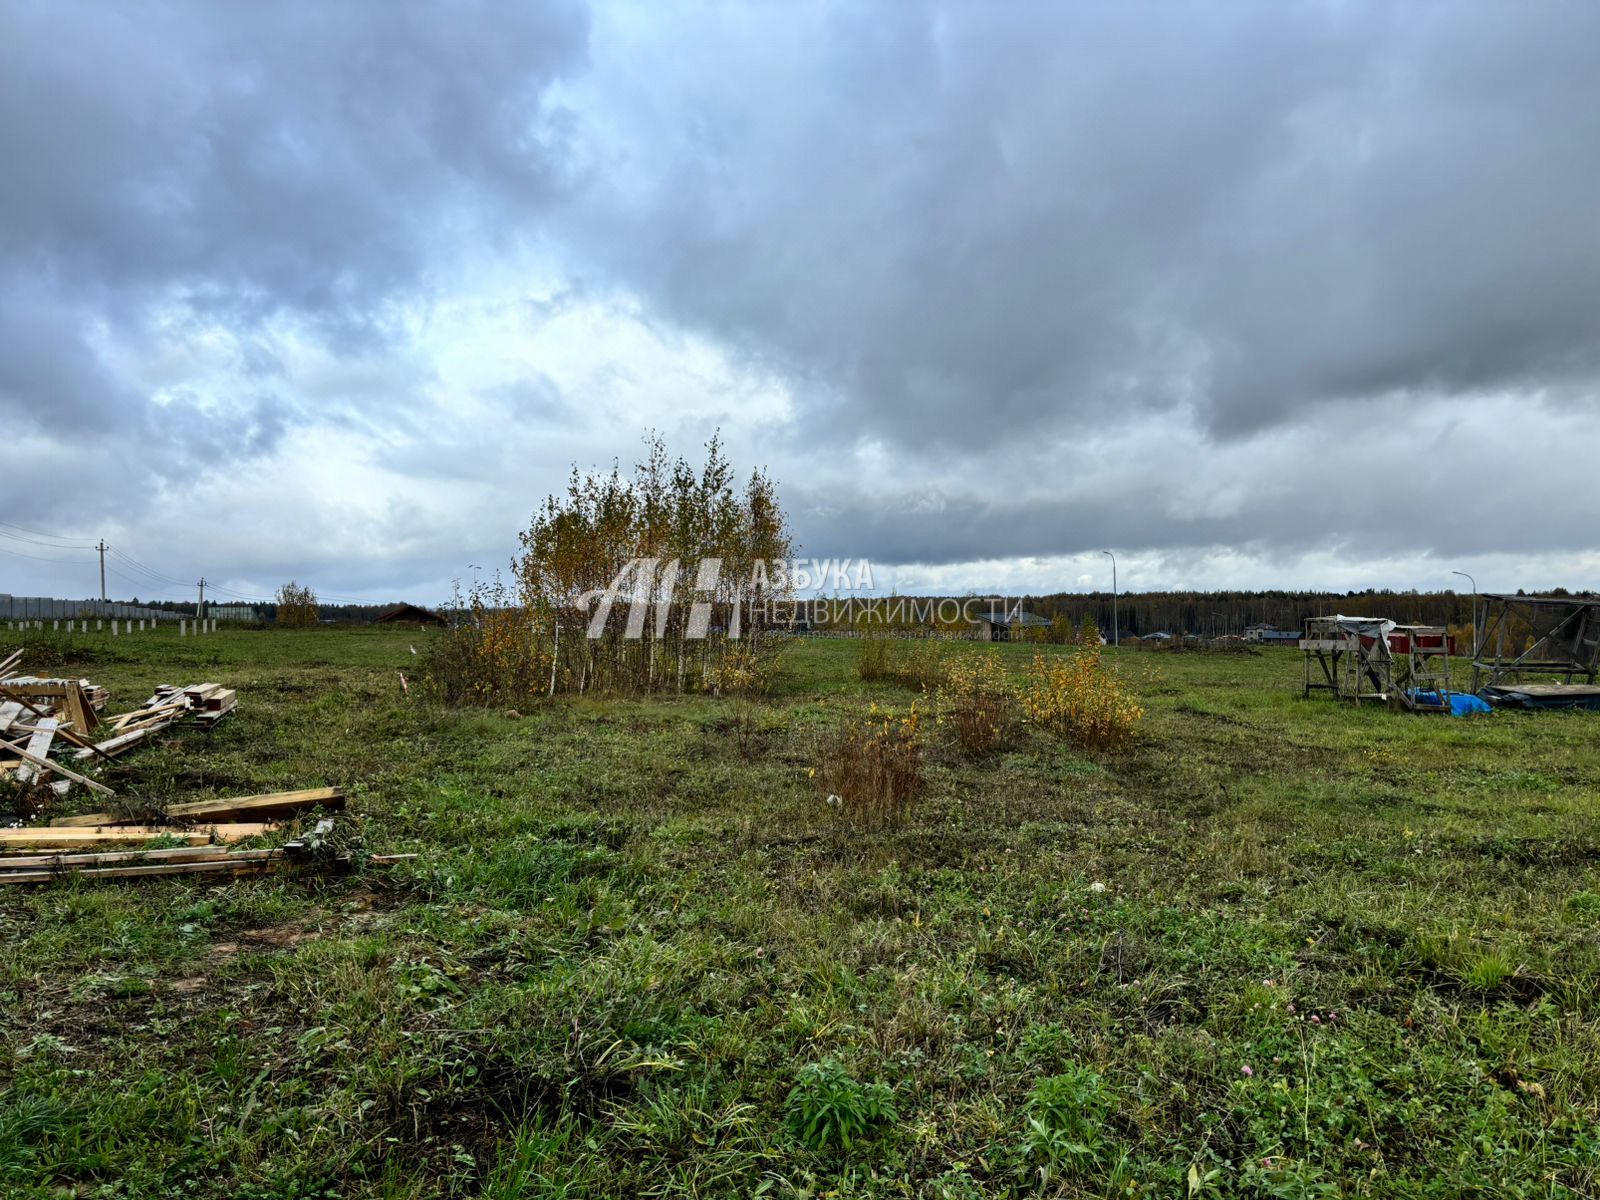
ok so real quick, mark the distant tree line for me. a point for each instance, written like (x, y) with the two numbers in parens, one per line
(1214, 614)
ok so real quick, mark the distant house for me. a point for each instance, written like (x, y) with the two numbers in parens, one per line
(1271, 633)
(1005, 627)
(409, 614)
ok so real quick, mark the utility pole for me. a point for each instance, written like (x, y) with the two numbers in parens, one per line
(1113, 558)
(102, 548)
(1474, 584)
(200, 609)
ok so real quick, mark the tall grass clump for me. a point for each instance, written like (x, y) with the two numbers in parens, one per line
(916, 663)
(871, 770)
(976, 701)
(1079, 698)
(873, 662)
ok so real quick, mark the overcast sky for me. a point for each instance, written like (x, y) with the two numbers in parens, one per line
(1254, 294)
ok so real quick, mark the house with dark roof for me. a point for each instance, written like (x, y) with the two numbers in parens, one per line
(1007, 627)
(409, 614)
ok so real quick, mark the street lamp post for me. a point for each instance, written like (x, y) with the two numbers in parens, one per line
(1474, 584)
(1114, 633)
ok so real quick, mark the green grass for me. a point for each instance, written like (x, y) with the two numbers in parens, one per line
(632, 937)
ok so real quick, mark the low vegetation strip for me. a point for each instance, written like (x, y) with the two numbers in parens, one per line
(1259, 947)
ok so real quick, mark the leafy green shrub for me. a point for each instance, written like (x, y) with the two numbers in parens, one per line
(828, 1107)
(1065, 1115)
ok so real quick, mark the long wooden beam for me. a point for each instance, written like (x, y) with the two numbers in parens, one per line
(245, 807)
(50, 836)
(255, 866)
(109, 858)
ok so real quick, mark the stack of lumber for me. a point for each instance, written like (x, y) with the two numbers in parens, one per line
(78, 845)
(41, 718)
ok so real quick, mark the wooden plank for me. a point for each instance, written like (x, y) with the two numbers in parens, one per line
(65, 733)
(247, 807)
(107, 858)
(44, 837)
(51, 836)
(38, 747)
(10, 711)
(78, 708)
(112, 747)
(62, 771)
(273, 803)
(210, 867)
(164, 713)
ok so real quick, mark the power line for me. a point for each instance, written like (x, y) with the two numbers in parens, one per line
(59, 537)
(129, 579)
(17, 537)
(150, 571)
(36, 557)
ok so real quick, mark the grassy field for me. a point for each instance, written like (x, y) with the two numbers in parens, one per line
(1275, 948)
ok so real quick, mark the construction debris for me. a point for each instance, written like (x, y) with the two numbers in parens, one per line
(58, 849)
(41, 718)
(183, 860)
(45, 721)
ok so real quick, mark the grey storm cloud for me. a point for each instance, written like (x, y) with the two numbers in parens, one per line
(949, 229)
(1057, 213)
(247, 162)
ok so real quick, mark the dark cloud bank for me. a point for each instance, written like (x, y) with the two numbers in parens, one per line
(970, 234)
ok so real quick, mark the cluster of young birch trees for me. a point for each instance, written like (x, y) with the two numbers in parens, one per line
(656, 581)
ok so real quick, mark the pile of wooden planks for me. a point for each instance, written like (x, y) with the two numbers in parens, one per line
(78, 845)
(63, 717)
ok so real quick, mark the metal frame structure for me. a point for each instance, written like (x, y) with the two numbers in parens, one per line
(1535, 635)
(1396, 664)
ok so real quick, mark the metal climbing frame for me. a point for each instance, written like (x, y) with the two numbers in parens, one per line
(1551, 636)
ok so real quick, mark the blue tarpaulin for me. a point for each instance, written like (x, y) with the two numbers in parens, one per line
(1462, 704)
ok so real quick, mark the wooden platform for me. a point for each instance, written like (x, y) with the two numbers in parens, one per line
(1543, 695)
